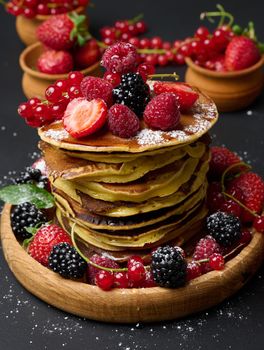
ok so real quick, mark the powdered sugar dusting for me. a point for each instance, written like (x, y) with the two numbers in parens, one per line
(198, 127)
(177, 134)
(150, 137)
(57, 135)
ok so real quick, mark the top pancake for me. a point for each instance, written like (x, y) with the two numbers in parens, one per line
(192, 126)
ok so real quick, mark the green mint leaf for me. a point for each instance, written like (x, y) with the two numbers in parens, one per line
(17, 194)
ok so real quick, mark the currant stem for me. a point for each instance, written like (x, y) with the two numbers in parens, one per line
(222, 14)
(152, 51)
(136, 18)
(88, 260)
(247, 166)
(169, 75)
(241, 204)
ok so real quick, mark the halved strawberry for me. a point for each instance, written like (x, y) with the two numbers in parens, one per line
(83, 117)
(187, 96)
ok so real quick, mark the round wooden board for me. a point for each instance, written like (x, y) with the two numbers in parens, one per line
(129, 305)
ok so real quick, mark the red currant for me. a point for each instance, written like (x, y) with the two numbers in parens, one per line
(258, 224)
(179, 59)
(30, 3)
(34, 122)
(74, 92)
(121, 280)
(75, 78)
(123, 26)
(156, 42)
(132, 30)
(145, 69)
(25, 110)
(202, 33)
(34, 101)
(134, 41)
(217, 261)
(141, 27)
(83, 2)
(53, 94)
(113, 78)
(166, 45)
(149, 281)
(193, 270)
(136, 272)
(108, 32)
(144, 43)
(246, 237)
(104, 280)
(134, 260)
(108, 41)
(42, 111)
(185, 50)
(62, 85)
(170, 55)
(57, 110)
(152, 59)
(162, 60)
(125, 36)
(177, 44)
(29, 12)
(220, 40)
(42, 9)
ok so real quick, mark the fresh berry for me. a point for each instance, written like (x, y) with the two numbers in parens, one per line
(104, 280)
(25, 110)
(83, 117)
(202, 33)
(74, 92)
(186, 95)
(246, 237)
(122, 121)
(120, 58)
(132, 92)
(224, 228)
(25, 215)
(113, 78)
(136, 272)
(168, 267)
(148, 282)
(163, 112)
(217, 261)
(53, 93)
(75, 78)
(258, 224)
(44, 240)
(241, 53)
(145, 69)
(60, 32)
(121, 280)
(221, 159)
(204, 249)
(101, 261)
(32, 176)
(193, 270)
(231, 207)
(65, 260)
(94, 87)
(87, 55)
(252, 187)
(55, 62)
(215, 197)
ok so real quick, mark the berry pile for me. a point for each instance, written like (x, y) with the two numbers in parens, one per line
(119, 99)
(32, 8)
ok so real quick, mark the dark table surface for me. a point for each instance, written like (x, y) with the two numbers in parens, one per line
(28, 323)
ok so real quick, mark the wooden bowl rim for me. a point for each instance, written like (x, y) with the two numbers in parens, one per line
(28, 50)
(78, 10)
(96, 300)
(223, 75)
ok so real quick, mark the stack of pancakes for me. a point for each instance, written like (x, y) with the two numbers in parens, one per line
(127, 195)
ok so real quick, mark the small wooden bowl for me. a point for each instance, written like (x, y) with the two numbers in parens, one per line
(26, 27)
(230, 91)
(34, 83)
(129, 305)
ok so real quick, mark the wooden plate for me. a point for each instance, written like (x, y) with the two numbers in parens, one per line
(129, 305)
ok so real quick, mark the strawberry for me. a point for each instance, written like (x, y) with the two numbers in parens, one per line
(83, 117)
(252, 187)
(221, 159)
(60, 32)
(55, 62)
(44, 240)
(241, 53)
(87, 55)
(186, 95)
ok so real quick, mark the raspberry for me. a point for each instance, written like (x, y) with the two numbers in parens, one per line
(193, 270)
(221, 159)
(93, 87)
(168, 267)
(224, 228)
(122, 121)
(121, 280)
(148, 281)
(101, 261)
(65, 260)
(120, 58)
(163, 112)
(204, 249)
(44, 240)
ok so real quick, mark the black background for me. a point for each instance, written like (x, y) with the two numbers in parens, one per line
(28, 323)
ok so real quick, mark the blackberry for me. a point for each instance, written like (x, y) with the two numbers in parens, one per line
(25, 215)
(32, 176)
(224, 228)
(169, 268)
(65, 260)
(132, 92)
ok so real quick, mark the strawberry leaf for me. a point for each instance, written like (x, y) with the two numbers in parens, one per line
(17, 194)
(81, 40)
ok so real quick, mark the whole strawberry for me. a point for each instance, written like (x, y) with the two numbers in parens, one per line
(221, 159)
(252, 187)
(55, 62)
(60, 32)
(44, 240)
(87, 55)
(241, 53)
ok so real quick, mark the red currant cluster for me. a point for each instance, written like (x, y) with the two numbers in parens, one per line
(123, 30)
(31, 8)
(38, 112)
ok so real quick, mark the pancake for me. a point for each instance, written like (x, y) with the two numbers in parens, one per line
(69, 168)
(98, 222)
(193, 125)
